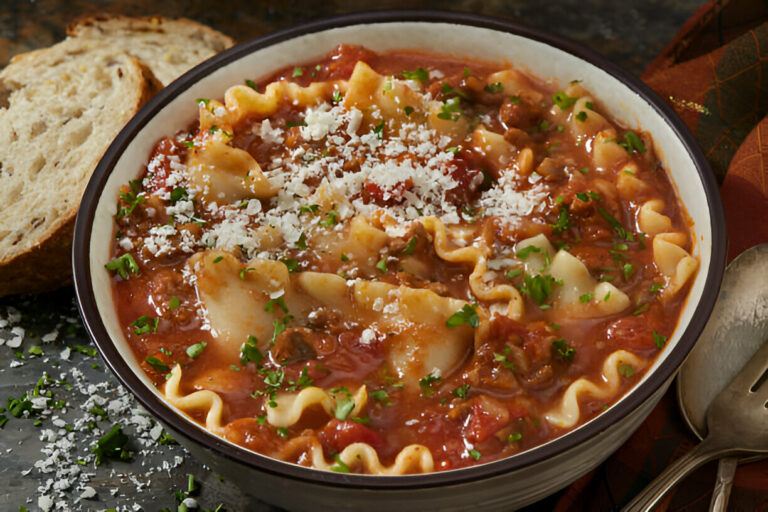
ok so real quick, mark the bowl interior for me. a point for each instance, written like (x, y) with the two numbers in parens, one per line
(174, 109)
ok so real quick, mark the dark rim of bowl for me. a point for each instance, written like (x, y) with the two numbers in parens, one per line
(638, 395)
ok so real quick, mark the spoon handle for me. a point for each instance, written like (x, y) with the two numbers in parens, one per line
(726, 470)
(662, 484)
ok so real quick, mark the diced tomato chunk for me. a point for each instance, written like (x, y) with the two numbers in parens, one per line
(468, 178)
(373, 193)
(634, 332)
(487, 417)
(337, 435)
(503, 327)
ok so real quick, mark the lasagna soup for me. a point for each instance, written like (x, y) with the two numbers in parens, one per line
(399, 263)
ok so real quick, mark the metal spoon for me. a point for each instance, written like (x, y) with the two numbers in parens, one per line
(738, 413)
(737, 328)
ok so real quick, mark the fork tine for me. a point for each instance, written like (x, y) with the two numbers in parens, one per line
(749, 378)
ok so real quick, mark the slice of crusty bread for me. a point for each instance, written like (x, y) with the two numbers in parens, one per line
(60, 107)
(169, 47)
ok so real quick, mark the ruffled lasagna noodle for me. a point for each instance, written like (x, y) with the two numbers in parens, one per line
(399, 263)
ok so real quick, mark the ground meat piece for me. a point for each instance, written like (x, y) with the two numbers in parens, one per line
(302, 344)
(518, 113)
(552, 169)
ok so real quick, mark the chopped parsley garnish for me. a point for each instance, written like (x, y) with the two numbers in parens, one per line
(453, 149)
(626, 371)
(112, 446)
(494, 87)
(133, 198)
(174, 303)
(188, 143)
(659, 339)
(218, 259)
(379, 130)
(514, 437)
(632, 143)
(563, 221)
(450, 110)
(409, 248)
(250, 83)
(475, 454)
(526, 251)
(585, 298)
(336, 97)
(502, 358)
(628, 269)
(537, 287)
(515, 100)
(408, 110)
(344, 257)
(242, 272)
(303, 381)
(279, 326)
(195, 350)
(581, 116)
(291, 263)
(514, 273)
(282, 432)
(642, 308)
(204, 101)
(340, 467)
(269, 307)
(379, 395)
(616, 225)
(344, 408)
(466, 315)
(563, 101)
(301, 243)
(249, 352)
(656, 287)
(421, 74)
(461, 391)
(123, 265)
(145, 324)
(297, 72)
(332, 218)
(157, 364)
(585, 170)
(382, 264)
(563, 349)
(308, 208)
(607, 296)
(426, 384)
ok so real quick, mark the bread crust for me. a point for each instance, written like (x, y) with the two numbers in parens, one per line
(76, 26)
(45, 267)
(47, 264)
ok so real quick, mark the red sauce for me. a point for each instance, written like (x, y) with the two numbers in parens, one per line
(495, 402)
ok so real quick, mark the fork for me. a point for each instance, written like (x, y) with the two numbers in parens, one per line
(737, 424)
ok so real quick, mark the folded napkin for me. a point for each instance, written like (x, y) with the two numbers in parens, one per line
(715, 75)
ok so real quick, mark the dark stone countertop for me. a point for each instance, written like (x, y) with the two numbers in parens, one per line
(630, 34)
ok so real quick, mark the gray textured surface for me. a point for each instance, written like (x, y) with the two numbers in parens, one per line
(630, 34)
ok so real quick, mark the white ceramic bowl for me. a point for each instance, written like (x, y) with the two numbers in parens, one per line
(504, 484)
